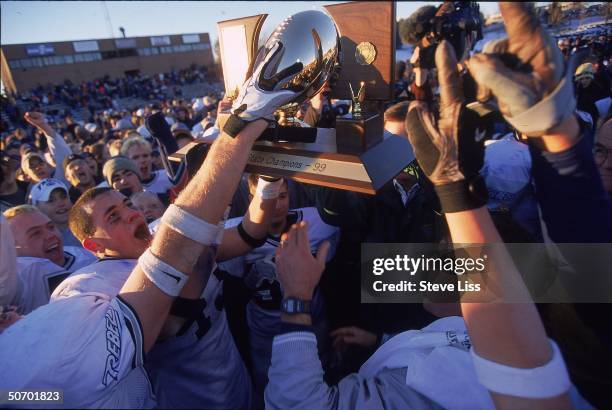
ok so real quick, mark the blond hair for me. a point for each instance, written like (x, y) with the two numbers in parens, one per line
(19, 210)
(134, 141)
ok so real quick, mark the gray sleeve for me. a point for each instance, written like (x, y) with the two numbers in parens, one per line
(296, 376)
(58, 150)
(296, 382)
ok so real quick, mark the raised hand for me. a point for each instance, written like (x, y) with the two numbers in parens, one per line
(525, 73)
(298, 271)
(38, 120)
(257, 98)
(449, 151)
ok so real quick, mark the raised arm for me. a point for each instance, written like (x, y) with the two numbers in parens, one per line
(253, 229)
(541, 105)
(190, 224)
(58, 148)
(505, 334)
(205, 197)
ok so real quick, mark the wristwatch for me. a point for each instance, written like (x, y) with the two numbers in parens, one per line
(294, 306)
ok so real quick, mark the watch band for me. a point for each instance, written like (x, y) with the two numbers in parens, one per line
(294, 306)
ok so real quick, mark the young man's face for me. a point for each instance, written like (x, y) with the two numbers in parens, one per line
(39, 169)
(126, 179)
(79, 173)
(119, 229)
(149, 205)
(37, 236)
(57, 207)
(279, 217)
(585, 81)
(142, 157)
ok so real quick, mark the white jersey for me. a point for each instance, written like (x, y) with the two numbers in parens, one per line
(39, 277)
(160, 184)
(263, 311)
(201, 367)
(90, 346)
(318, 232)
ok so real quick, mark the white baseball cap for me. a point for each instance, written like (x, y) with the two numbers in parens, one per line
(91, 127)
(41, 192)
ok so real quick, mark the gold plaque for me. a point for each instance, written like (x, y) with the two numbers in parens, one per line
(365, 53)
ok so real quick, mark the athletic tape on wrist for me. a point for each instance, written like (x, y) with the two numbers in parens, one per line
(541, 382)
(268, 189)
(221, 227)
(190, 226)
(165, 277)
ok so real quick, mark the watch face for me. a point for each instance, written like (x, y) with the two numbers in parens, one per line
(289, 305)
(294, 306)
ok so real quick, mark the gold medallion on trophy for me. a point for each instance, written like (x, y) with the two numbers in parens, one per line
(365, 53)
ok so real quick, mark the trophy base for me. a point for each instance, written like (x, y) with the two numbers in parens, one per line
(355, 135)
(365, 173)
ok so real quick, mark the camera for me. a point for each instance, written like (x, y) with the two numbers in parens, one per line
(458, 22)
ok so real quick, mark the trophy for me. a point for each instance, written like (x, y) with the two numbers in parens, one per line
(350, 43)
(357, 100)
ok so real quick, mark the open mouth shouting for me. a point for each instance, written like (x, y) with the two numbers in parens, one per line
(142, 232)
(55, 253)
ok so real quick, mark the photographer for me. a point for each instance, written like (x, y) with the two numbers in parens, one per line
(458, 22)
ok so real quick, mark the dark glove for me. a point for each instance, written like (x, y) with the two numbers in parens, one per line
(449, 151)
(526, 74)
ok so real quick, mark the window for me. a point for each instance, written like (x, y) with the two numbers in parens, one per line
(37, 62)
(165, 50)
(144, 51)
(109, 54)
(88, 57)
(14, 64)
(203, 46)
(129, 52)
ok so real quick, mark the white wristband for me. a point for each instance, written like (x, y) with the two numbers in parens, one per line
(221, 226)
(268, 189)
(541, 382)
(165, 277)
(190, 226)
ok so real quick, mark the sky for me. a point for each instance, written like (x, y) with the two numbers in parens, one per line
(47, 21)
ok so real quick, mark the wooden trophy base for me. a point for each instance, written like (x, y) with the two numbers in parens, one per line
(366, 172)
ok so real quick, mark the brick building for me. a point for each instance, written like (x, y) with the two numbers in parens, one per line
(25, 66)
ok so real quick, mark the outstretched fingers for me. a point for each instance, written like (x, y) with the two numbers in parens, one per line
(451, 87)
(531, 43)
